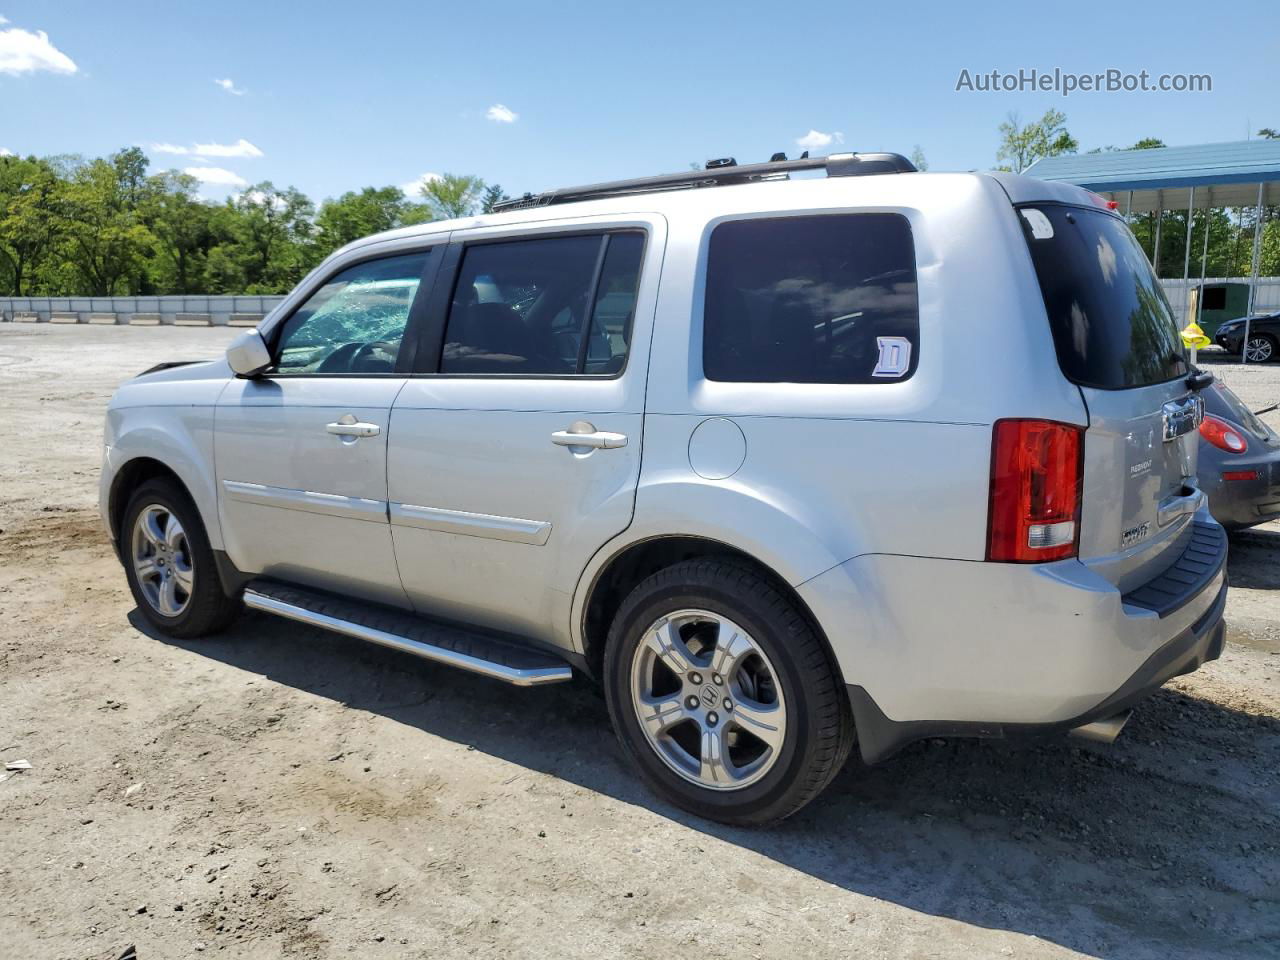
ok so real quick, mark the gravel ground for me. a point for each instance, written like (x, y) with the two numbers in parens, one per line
(278, 791)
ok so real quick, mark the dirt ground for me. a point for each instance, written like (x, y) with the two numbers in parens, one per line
(278, 791)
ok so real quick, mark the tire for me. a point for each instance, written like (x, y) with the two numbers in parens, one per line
(182, 596)
(781, 663)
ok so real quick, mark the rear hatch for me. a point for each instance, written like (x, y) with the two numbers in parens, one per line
(1117, 339)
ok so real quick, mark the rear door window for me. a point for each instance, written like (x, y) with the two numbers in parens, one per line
(546, 306)
(1111, 324)
(811, 299)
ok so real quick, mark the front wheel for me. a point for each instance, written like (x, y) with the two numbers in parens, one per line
(723, 694)
(169, 563)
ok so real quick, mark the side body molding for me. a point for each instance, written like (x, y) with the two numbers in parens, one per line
(511, 529)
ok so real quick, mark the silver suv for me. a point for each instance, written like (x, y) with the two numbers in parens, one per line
(784, 463)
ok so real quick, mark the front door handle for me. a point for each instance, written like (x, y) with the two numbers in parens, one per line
(583, 434)
(349, 426)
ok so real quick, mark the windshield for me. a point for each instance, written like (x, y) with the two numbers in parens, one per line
(1112, 326)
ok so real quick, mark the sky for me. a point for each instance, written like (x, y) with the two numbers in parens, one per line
(330, 97)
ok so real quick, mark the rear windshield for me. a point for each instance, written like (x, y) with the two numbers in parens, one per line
(1112, 326)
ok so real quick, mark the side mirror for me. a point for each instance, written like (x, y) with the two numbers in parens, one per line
(248, 354)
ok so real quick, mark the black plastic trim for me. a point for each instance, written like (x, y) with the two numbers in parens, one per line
(231, 578)
(168, 365)
(836, 165)
(1204, 555)
(880, 738)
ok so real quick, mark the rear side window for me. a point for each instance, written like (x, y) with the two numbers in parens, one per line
(1112, 326)
(818, 299)
(551, 306)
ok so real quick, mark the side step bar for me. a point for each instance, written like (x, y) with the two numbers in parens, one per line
(476, 652)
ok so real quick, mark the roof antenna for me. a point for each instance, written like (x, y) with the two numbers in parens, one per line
(805, 155)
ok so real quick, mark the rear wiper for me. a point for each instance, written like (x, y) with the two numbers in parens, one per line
(1198, 379)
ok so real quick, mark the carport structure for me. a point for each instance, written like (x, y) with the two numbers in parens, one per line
(1241, 174)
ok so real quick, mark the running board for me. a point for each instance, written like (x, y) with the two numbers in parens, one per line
(456, 647)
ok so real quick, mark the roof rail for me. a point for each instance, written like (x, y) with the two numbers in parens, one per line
(719, 173)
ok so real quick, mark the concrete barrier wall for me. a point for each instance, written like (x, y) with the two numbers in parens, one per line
(186, 310)
(247, 311)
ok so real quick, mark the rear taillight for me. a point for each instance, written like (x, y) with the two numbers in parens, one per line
(1223, 435)
(1034, 514)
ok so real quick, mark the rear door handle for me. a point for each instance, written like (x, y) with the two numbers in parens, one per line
(583, 434)
(348, 426)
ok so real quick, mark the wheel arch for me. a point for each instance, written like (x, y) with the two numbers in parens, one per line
(150, 441)
(630, 563)
(131, 475)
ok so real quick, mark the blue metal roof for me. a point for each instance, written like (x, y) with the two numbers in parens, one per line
(1244, 161)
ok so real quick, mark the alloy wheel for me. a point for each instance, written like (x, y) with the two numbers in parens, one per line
(1259, 350)
(708, 700)
(162, 560)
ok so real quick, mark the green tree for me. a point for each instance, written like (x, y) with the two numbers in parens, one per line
(354, 215)
(1269, 133)
(273, 229)
(493, 196)
(29, 221)
(180, 223)
(104, 242)
(451, 196)
(1022, 145)
(918, 159)
(1148, 143)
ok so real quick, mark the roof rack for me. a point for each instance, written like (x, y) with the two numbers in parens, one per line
(719, 173)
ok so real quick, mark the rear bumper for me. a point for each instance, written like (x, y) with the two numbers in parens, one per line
(880, 738)
(1243, 503)
(931, 647)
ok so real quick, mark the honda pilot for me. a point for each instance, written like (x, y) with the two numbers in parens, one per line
(788, 463)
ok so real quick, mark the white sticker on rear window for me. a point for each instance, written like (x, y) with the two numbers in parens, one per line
(1041, 228)
(895, 357)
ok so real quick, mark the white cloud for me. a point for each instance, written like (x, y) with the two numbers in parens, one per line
(5, 151)
(413, 189)
(216, 175)
(24, 52)
(241, 148)
(501, 114)
(4, 20)
(816, 138)
(228, 85)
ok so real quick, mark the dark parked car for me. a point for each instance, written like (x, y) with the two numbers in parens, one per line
(1239, 462)
(1264, 337)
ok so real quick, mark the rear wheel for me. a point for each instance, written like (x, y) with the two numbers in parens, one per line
(722, 693)
(1260, 348)
(169, 563)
